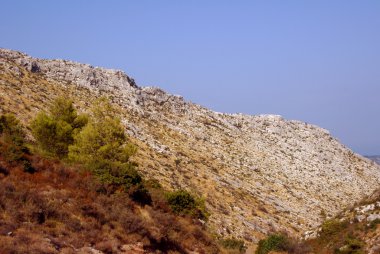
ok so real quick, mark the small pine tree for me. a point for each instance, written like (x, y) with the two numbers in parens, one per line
(103, 147)
(54, 131)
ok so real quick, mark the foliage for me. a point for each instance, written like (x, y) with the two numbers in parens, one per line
(182, 202)
(101, 146)
(234, 244)
(54, 131)
(275, 242)
(12, 141)
(115, 174)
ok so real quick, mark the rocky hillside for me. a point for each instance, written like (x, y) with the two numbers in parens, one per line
(257, 173)
(354, 230)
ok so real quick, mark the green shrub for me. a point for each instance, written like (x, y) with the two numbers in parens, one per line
(54, 131)
(182, 202)
(234, 244)
(12, 139)
(275, 242)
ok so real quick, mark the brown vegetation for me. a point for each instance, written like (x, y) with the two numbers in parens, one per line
(59, 209)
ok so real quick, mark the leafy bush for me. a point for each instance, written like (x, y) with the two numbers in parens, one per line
(275, 242)
(234, 244)
(54, 131)
(182, 202)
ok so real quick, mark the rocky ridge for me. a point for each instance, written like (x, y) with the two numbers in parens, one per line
(257, 173)
(375, 158)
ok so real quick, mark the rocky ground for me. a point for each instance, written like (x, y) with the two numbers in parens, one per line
(258, 174)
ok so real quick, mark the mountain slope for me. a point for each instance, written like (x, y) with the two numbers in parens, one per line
(257, 173)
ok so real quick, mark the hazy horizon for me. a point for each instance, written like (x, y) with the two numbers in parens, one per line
(317, 62)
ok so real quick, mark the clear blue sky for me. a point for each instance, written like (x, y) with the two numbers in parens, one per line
(316, 61)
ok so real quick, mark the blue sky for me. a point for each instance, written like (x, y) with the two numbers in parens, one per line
(316, 61)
